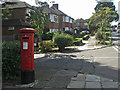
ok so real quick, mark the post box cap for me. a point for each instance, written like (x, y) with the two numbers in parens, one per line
(27, 30)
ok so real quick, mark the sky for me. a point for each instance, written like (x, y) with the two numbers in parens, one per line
(75, 8)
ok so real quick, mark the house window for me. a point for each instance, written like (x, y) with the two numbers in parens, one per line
(54, 30)
(67, 19)
(27, 13)
(66, 28)
(71, 21)
(85, 24)
(54, 18)
(78, 24)
(51, 18)
(11, 28)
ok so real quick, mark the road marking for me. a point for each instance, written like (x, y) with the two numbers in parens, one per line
(115, 47)
(106, 57)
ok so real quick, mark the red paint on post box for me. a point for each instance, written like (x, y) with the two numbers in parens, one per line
(27, 48)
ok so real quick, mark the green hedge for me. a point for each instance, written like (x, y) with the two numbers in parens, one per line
(63, 40)
(78, 41)
(10, 59)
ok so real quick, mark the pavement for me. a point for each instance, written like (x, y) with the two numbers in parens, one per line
(87, 68)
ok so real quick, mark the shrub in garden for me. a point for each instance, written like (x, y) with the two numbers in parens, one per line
(47, 36)
(46, 45)
(10, 59)
(78, 41)
(86, 37)
(63, 40)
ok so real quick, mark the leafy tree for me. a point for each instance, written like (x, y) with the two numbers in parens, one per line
(38, 19)
(6, 12)
(109, 4)
(101, 19)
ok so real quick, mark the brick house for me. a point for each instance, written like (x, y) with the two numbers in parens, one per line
(81, 25)
(17, 20)
(59, 21)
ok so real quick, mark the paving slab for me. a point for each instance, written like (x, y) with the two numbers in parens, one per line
(102, 79)
(59, 82)
(93, 85)
(92, 78)
(76, 84)
(48, 88)
(110, 84)
(80, 77)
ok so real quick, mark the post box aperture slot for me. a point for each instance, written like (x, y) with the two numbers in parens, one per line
(25, 38)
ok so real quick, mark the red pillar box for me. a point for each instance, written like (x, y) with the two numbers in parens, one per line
(27, 55)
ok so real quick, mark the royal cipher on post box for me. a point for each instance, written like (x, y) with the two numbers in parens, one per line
(27, 55)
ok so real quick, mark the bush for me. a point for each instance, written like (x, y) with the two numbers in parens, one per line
(86, 37)
(108, 33)
(46, 46)
(62, 40)
(78, 41)
(10, 59)
(68, 32)
(47, 36)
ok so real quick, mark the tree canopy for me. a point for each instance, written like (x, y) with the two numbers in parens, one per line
(102, 18)
(38, 19)
(110, 5)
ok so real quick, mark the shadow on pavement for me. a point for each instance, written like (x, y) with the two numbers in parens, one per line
(56, 70)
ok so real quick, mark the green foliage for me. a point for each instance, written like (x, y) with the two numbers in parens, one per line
(6, 12)
(38, 19)
(78, 41)
(86, 37)
(63, 40)
(47, 36)
(46, 46)
(99, 36)
(110, 5)
(68, 32)
(10, 59)
(101, 18)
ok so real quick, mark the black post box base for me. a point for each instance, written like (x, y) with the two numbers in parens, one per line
(27, 76)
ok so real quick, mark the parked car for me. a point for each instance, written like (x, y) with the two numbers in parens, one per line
(87, 32)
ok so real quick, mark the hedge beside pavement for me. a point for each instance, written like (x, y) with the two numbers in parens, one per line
(10, 59)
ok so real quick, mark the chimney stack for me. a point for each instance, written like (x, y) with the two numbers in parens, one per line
(55, 5)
